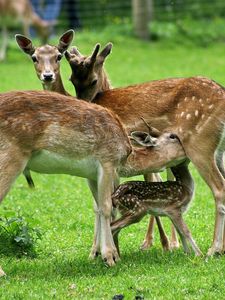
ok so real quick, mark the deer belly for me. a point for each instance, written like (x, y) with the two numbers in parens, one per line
(51, 163)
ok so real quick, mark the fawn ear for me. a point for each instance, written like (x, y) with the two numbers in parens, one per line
(104, 53)
(25, 44)
(65, 40)
(143, 138)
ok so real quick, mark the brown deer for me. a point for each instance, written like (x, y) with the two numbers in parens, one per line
(193, 108)
(46, 61)
(22, 11)
(50, 133)
(135, 199)
(90, 79)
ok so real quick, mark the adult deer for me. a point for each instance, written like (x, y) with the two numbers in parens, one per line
(51, 133)
(46, 61)
(193, 108)
(90, 79)
(135, 199)
(22, 11)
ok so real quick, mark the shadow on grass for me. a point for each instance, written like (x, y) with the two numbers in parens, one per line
(79, 267)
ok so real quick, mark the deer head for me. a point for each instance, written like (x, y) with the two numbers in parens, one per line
(88, 75)
(46, 58)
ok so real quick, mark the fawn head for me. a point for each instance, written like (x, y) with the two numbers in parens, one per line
(46, 58)
(88, 75)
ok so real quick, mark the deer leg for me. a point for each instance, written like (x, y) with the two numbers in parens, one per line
(174, 242)
(149, 237)
(11, 165)
(95, 250)
(105, 188)
(185, 234)
(208, 169)
(148, 241)
(124, 221)
(28, 177)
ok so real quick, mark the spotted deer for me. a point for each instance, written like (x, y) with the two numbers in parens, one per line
(46, 61)
(193, 108)
(90, 79)
(22, 11)
(135, 199)
(51, 133)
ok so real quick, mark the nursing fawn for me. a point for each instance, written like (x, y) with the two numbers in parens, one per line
(135, 199)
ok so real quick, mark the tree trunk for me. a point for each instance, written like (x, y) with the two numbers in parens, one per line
(142, 14)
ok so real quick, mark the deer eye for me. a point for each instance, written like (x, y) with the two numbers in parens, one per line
(34, 58)
(94, 82)
(173, 136)
(59, 57)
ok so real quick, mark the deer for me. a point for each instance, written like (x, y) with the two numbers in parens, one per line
(46, 61)
(22, 11)
(192, 108)
(90, 79)
(135, 199)
(50, 133)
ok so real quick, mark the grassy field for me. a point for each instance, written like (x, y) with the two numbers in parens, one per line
(61, 206)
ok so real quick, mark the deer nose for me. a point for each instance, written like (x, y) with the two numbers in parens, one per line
(48, 76)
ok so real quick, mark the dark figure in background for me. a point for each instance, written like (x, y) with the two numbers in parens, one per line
(72, 13)
(48, 10)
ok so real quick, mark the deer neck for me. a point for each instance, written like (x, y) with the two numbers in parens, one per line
(183, 176)
(56, 86)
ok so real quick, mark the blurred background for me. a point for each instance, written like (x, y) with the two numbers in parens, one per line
(152, 38)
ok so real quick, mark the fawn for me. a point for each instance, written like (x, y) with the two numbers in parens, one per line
(135, 199)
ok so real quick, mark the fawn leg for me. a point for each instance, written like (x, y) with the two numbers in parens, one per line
(148, 241)
(125, 220)
(185, 234)
(174, 242)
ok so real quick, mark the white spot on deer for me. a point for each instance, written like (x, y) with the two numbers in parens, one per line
(204, 83)
(188, 117)
(185, 99)
(203, 116)
(178, 105)
(196, 113)
(211, 106)
(193, 97)
(180, 130)
(182, 114)
(200, 100)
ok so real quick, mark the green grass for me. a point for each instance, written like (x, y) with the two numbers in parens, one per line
(61, 206)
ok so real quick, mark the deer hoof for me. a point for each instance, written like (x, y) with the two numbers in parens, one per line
(214, 251)
(111, 259)
(146, 244)
(174, 245)
(94, 254)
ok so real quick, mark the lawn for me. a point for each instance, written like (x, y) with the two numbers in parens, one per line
(61, 206)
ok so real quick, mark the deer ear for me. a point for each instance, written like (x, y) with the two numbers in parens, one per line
(25, 44)
(65, 40)
(104, 53)
(143, 138)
